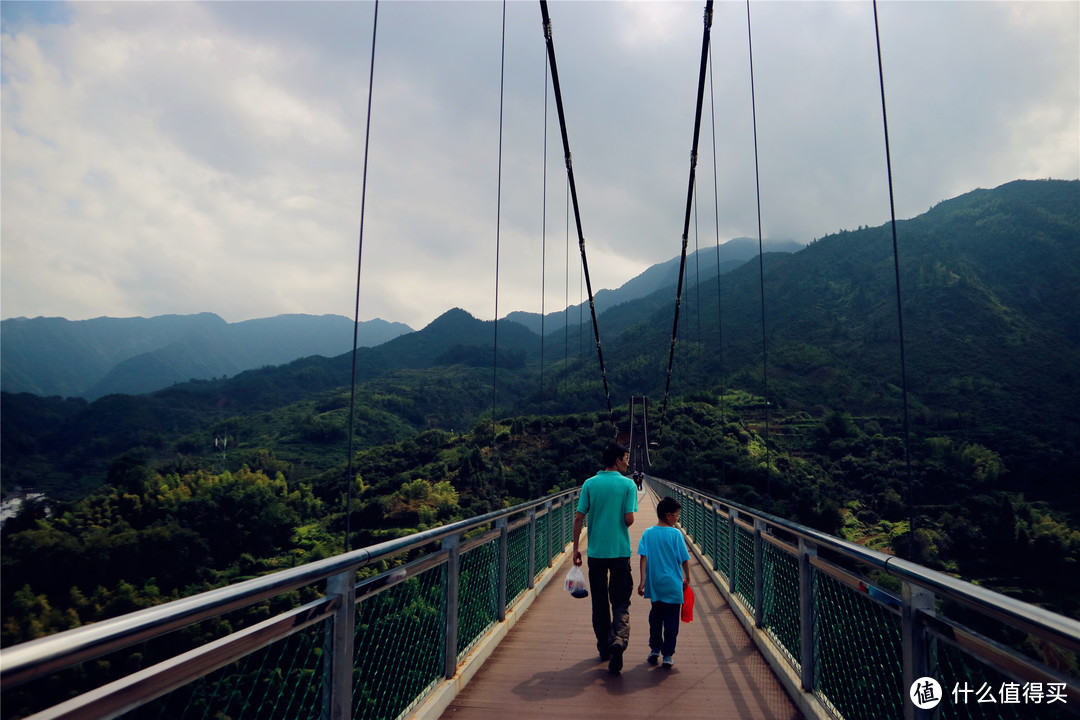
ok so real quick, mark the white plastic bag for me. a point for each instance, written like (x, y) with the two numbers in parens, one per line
(575, 582)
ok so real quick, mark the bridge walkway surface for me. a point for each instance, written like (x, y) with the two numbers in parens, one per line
(547, 666)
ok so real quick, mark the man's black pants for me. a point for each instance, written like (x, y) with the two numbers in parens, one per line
(610, 587)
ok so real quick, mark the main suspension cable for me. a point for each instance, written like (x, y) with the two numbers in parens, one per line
(689, 204)
(356, 314)
(574, 198)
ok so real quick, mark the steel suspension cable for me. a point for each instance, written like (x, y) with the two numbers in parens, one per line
(498, 227)
(899, 306)
(761, 253)
(543, 239)
(359, 264)
(716, 218)
(573, 196)
(689, 204)
(543, 266)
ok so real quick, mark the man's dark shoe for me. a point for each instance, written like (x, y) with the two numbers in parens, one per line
(605, 655)
(615, 664)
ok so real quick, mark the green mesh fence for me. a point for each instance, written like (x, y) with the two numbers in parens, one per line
(404, 621)
(743, 572)
(478, 594)
(567, 511)
(517, 563)
(282, 681)
(973, 690)
(723, 545)
(543, 543)
(708, 535)
(780, 600)
(859, 669)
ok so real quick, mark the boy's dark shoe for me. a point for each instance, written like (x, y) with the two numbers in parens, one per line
(615, 664)
(654, 657)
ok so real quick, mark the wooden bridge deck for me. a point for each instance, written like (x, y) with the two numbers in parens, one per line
(547, 666)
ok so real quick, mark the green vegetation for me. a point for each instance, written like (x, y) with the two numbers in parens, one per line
(142, 507)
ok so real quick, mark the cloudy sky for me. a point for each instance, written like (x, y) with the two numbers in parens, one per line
(181, 157)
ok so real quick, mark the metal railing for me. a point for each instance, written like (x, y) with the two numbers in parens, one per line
(367, 649)
(862, 652)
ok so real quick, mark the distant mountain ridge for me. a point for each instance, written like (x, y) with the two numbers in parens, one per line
(103, 356)
(703, 263)
(98, 357)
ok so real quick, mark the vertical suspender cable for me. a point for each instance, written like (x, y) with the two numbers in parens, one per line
(356, 314)
(573, 197)
(543, 268)
(689, 205)
(566, 286)
(498, 226)
(716, 218)
(697, 284)
(899, 306)
(645, 425)
(761, 255)
(543, 241)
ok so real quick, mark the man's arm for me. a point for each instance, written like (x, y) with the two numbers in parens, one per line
(629, 519)
(579, 519)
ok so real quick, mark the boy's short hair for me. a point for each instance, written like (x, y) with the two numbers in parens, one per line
(612, 453)
(665, 506)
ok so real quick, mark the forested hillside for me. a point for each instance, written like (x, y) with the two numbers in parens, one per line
(137, 489)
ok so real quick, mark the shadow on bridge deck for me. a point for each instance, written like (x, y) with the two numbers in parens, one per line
(547, 666)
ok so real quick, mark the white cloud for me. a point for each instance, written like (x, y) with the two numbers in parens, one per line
(185, 157)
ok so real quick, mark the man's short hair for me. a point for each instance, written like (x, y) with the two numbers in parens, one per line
(612, 453)
(665, 506)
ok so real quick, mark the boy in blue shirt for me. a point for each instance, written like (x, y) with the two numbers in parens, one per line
(665, 571)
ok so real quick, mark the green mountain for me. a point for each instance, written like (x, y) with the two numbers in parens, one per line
(991, 332)
(799, 415)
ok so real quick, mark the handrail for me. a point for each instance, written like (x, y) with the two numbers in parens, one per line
(790, 635)
(37, 658)
(1033, 617)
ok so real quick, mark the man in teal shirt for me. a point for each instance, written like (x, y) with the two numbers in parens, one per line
(609, 499)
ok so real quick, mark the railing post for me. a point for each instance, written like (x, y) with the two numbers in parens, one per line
(733, 515)
(453, 572)
(501, 574)
(759, 574)
(716, 537)
(807, 654)
(550, 529)
(917, 601)
(337, 670)
(532, 549)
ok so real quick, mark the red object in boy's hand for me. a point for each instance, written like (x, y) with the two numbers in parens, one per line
(687, 604)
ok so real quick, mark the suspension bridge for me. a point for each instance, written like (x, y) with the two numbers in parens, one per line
(470, 621)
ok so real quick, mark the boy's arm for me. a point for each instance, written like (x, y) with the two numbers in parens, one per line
(641, 583)
(685, 571)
